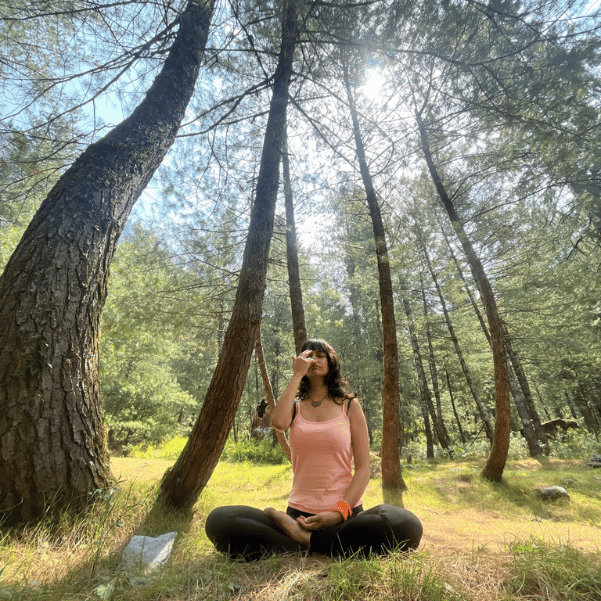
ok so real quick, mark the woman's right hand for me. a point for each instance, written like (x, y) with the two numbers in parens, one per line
(282, 414)
(302, 363)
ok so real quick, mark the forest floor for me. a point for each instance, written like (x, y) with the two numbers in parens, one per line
(481, 542)
(455, 516)
(455, 528)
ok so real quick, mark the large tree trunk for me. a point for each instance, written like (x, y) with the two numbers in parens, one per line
(493, 470)
(52, 437)
(182, 484)
(392, 436)
(294, 281)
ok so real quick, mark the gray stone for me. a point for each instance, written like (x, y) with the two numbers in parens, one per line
(145, 552)
(552, 493)
(595, 461)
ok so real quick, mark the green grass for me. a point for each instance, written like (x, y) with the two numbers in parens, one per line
(482, 541)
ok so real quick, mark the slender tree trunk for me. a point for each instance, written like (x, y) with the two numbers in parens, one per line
(534, 449)
(294, 281)
(461, 433)
(52, 438)
(493, 470)
(427, 430)
(531, 424)
(432, 360)
(466, 286)
(182, 484)
(424, 390)
(355, 368)
(581, 403)
(392, 435)
(459, 352)
(520, 374)
(571, 406)
(269, 393)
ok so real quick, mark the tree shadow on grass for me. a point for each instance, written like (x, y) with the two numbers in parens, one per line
(80, 553)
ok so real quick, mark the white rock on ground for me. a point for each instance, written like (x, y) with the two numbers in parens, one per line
(552, 493)
(145, 552)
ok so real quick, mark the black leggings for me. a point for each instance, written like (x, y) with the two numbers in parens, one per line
(248, 533)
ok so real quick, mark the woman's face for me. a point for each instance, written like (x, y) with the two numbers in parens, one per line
(319, 367)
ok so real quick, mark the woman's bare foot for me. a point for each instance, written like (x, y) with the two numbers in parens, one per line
(289, 525)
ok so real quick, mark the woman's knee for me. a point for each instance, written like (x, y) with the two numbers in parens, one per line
(405, 524)
(224, 519)
(403, 528)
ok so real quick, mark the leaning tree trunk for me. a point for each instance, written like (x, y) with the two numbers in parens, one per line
(517, 371)
(493, 470)
(451, 396)
(458, 350)
(392, 435)
(424, 391)
(294, 281)
(531, 425)
(52, 436)
(182, 484)
(434, 374)
(260, 356)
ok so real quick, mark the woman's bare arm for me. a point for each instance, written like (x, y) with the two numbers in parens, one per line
(360, 442)
(281, 416)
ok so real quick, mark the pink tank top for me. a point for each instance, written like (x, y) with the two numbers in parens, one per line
(322, 462)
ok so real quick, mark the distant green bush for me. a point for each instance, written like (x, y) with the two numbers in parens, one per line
(254, 451)
(170, 449)
(245, 450)
(575, 444)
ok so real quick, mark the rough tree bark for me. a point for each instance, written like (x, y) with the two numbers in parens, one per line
(52, 437)
(294, 281)
(493, 470)
(392, 435)
(182, 484)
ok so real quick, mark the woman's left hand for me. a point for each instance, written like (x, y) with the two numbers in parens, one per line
(325, 519)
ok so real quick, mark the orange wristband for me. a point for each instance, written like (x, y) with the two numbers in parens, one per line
(344, 509)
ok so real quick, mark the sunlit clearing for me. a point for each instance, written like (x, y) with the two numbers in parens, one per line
(374, 80)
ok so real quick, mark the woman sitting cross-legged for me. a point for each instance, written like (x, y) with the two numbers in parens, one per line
(325, 515)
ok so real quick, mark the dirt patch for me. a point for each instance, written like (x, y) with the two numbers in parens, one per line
(546, 464)
(468, 531)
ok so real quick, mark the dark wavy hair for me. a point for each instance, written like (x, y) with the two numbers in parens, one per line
(333, 380)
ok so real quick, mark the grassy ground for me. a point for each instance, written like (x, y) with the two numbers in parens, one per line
(481, 541)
